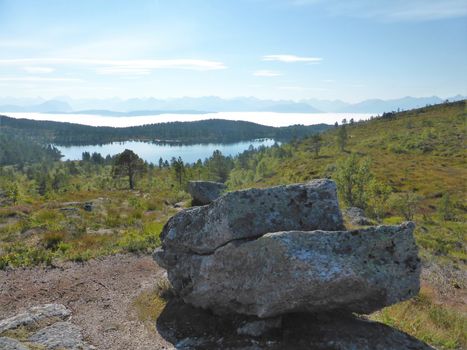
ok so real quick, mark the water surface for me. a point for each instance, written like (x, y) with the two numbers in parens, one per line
(151, 152)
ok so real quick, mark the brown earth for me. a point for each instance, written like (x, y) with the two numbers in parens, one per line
(100, 293)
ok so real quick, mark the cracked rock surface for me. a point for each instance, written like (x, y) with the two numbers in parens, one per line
(249, 214)
(279, 250)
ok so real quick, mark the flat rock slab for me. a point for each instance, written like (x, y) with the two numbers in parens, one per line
(33, 315)
(205, 192)
(249, 214)
(302, 271)
(60, 335)
(11, 344)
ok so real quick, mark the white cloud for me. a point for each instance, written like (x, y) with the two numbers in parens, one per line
(122, 65)
(267, 73)
(38, 70)
(123, 71)
(41, 79)
(291, 58)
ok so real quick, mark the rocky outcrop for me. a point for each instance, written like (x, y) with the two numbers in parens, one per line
(60, 335)
(34, 315)
(205, 192)
(7, 343)
(249, 214)
(269, 252)
(302, 271)
(45, 326)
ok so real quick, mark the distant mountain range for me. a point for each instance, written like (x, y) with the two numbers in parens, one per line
(199, 105)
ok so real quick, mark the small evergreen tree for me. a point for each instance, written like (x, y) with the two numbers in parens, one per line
(342, 138)
(179, 168)
(316, 140)
(128, 164)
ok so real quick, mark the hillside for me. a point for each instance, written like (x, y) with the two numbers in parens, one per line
(412, 165)
(204, 131)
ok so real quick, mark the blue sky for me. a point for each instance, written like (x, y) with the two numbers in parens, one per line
(278, 49)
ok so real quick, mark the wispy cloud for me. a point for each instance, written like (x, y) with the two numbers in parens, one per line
(115, 66)
(38, 70)
(41, 79)
(20, 44)
(291, 58)
(391, 10)
(123, 71)
(267, 73)
(301, 88)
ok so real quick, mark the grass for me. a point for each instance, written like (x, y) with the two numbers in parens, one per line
(149, 304)
(42, 230)
(435, 324)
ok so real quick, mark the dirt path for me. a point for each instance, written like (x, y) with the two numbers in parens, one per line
(100, 294)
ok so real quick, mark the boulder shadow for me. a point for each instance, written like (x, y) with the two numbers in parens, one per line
(187, 327)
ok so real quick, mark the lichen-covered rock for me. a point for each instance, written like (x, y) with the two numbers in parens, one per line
(302, 271)
(11, 344)
(34, 315)
(249, 214)
(60, 335)
(205, 192)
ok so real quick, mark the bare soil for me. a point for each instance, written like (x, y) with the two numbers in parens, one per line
(100, 293)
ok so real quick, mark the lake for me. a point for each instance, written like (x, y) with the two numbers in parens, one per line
(151, 152)
(190, 153)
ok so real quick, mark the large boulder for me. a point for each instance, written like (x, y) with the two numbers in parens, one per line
(205, 192)
(249, 214)
(302, 271)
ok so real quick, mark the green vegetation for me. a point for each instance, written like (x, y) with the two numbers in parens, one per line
(443, 327)
(204, 131)
(401, 166)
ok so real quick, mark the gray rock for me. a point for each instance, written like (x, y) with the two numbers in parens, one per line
(301, 271)
(60, 335)
(249, 214)
(34, 315)
(357, 216)
(205, 192)
(88, 206)
(259, 327)
(11, 344)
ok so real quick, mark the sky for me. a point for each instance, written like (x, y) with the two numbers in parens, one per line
(272, 49)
